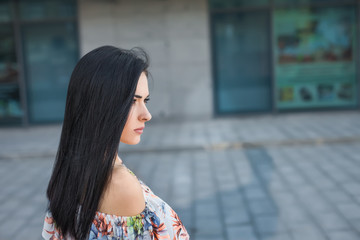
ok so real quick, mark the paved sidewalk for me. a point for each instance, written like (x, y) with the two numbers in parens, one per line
(284, 177)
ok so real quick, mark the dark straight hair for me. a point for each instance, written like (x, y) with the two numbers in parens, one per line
(99, 97)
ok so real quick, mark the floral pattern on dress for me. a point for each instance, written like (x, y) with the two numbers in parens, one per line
(156, 222)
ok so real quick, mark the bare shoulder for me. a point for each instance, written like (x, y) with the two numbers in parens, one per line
(123, 196)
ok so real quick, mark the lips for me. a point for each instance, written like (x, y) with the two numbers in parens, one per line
(139, 130)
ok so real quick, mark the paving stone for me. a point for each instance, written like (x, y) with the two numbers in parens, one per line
(249, 180)
(236, 215)
(28, 233)
(10, 226)
(307, 192)
(287, 170)
(350, 211)
(213, 236)
(331, 221)
(339, 176)
(356, 225)
(205, 193)
(276, 185)
(262, 206)
(232, 199)
(10, 205)
(295, 180)
(313, 200)
(266, 225)
(204, 225)
(276, 236)
(240, 233)
(285, 199)
(352, 188)
(293, 215)
(308, 232)
(206, 210)
(228, 186)
(337, 196)
(252, 193)
(343, 235)
(317, 205)
(25, 212)
(266, 172)
(324, 183)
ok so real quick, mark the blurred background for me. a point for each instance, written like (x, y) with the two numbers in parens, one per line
(256, 125)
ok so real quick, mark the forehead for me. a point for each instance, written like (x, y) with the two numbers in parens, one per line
(142, 85)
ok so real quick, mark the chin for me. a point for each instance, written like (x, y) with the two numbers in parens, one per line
(131, 142)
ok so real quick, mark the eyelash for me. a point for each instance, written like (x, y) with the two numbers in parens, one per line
(146, 100)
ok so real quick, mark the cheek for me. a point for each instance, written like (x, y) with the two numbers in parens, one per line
(127, 128)
(128, 135)
(130, 118)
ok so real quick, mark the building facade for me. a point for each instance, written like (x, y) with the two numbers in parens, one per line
(208, 58)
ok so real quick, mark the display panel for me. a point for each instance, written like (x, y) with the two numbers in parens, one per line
(314, 53)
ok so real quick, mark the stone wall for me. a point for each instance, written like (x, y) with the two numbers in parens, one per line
(176, 36)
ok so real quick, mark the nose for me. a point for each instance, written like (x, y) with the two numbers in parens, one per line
(145, 115)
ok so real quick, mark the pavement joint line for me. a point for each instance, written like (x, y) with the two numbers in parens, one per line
(217, 147)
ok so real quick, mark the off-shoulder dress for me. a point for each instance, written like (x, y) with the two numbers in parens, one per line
(157, 221)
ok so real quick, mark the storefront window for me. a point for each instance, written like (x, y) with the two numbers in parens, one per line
(315, 52)
(5, 11)
(221, 4)
(38, 50)
(45, 9)
(10, 106)
(296, 2)
(243, 73)
(50, 54)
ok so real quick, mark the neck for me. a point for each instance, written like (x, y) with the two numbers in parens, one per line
(118, 161)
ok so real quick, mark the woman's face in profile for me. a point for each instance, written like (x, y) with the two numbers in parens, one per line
(138, 115)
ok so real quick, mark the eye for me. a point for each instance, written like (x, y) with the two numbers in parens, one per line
(134, 100)
(146, 100)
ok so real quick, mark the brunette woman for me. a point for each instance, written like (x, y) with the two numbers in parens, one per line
(92, 195)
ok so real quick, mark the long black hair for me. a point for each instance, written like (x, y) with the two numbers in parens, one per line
(99, 97)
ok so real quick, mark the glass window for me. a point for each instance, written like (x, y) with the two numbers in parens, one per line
(50, 54)
(45, 9)
(10, 107)
(220, 4)
(5, 11)
(242, 62)
(295, 2)
(315, 52)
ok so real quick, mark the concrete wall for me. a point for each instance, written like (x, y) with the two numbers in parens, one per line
(175, 34)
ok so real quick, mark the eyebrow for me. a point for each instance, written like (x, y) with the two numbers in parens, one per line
(138, 96)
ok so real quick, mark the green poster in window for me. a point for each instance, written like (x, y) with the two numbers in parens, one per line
(315, 52)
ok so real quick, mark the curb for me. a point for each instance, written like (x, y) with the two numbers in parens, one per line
(207, 147)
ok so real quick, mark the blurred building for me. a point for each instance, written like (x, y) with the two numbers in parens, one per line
(208, 57)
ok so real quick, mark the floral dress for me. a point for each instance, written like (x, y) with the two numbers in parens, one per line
(157, 221)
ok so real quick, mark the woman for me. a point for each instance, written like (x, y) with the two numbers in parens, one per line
(92, 195)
